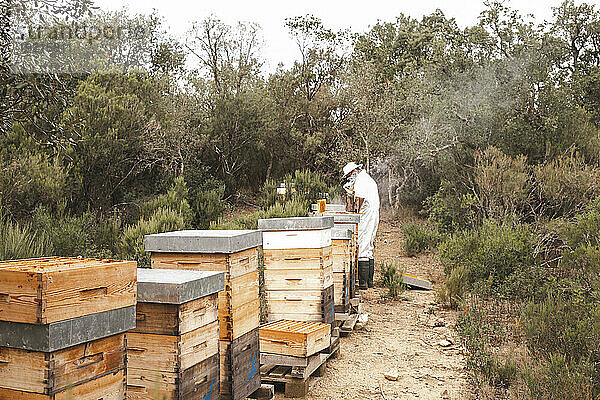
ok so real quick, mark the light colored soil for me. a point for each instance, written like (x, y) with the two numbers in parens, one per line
(401, 335)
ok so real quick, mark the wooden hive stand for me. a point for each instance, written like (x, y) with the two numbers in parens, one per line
(47, 349)
(295, 372)
(173, 352)
(235, 253)
(298, 268)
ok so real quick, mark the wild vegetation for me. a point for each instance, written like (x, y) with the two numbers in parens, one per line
(492, 131)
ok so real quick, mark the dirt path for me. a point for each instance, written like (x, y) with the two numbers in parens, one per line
(401, 335)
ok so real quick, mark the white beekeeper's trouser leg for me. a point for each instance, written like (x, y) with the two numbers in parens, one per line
(367, 227)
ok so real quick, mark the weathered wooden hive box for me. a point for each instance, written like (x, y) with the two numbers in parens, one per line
(298, 268)
(348, 221)
(62, 328)
(294, 338)
(173, 353)
(341, 254)
(234, 252)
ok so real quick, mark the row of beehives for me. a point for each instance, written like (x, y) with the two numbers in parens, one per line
(63, 321)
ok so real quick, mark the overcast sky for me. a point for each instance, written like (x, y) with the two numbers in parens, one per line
(336, 14)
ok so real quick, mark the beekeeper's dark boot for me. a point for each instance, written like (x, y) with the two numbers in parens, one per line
(363, 274)
(371, 272)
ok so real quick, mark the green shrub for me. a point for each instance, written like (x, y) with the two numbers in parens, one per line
(450, 209)
(303, 185)
(175, 199)
(567, 184)
(391, 278)
(132, 242)
(22, 241)
(452, 292)
(479, 332)
(419, 239)
(563, 325)
(503, 184)
(489, 256)
(291, 208)
(70, 235)
(208, 204)
(558, 379)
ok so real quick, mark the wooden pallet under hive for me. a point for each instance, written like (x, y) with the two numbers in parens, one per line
(294, 338)
(87, 371)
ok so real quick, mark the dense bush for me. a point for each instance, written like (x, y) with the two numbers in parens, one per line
(302, 185)
(291, 208)
(451, 209)
(419, 238)
(490, 258)
(391, 279)
(22, 241)
(567, 184)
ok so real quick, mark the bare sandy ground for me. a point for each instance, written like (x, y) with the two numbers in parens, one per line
(402, 335)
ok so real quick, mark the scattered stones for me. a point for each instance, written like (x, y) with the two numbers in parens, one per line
(392, 375)
(444, 343)
(439, 323)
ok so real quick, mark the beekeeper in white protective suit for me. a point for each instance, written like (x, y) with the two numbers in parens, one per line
(367, 198)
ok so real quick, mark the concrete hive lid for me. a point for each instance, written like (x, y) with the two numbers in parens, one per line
(341, 234)
(203, 241)
(295, 224)
(176, 286)
(344, 218)
(330, 207)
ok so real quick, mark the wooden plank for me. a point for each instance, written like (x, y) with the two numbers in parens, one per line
(152, 352)
(240, 321)
(172, 319)
(147, 384)
(301, 258)
(298, 279)
(240, 364)
(200, 381)
(198, 345)
(234, 265)
(24, 370)
(108, 387)
(81, 363)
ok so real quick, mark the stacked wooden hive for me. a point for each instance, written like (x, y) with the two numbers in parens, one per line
(346, 221)
(173, 353)
(341, 254)
(298, 268)
(62, 328)
(236, 254)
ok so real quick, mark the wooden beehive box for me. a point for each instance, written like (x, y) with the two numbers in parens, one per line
(341, 240)
(233, 252)
(89, 371)
(174, 350)
(294, 338)
(298, 268)
(47, 290)
(236, 254)
(240, 366)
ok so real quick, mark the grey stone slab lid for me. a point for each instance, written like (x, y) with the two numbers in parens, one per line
(176, 286)
(343, 218)
(295, 224)
(341, 234)
(203, 241)
(330, 207)
(70, 332)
